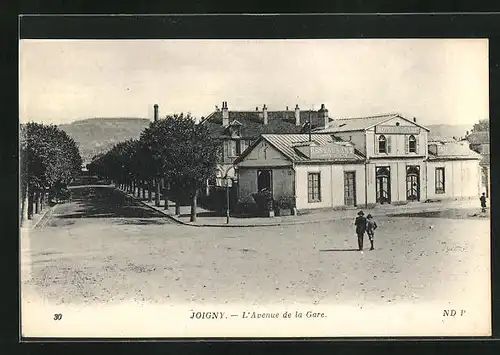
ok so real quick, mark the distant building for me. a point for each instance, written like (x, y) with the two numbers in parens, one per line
(237, 130)
(480, 143)
(359, 161)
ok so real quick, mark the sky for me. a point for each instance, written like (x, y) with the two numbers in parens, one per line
(438, 81)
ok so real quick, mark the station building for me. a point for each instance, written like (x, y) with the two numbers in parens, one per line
(383, 159)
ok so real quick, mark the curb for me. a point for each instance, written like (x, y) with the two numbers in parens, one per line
(153, 208)
(270, 224)
(43, 217)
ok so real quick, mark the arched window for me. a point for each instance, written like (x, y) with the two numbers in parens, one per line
(382, 144)
(412, 144)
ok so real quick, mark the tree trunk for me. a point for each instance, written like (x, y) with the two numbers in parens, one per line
(42, 200)
(30, 204)
(25, 202)
(193, 206)
(37, 202)
(157, 193)
(150, 191)
(143, 190)
(165, 196)
(177, 208)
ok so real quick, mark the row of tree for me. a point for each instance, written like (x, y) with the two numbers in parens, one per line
(174, 156)
(49, 161)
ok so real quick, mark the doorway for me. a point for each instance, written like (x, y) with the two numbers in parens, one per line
(350, 188)
(383, 184)
(264, 180)
(413, 183)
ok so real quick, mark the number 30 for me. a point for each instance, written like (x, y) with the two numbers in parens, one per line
(57, 316)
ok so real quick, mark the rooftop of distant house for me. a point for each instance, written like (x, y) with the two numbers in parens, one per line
(252, 125)
(441, 139)
(451, 150)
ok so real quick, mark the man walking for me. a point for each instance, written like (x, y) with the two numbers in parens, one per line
(360, 224)
(483, 202)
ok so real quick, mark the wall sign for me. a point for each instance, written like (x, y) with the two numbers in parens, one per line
(325, 152)
(397, 129)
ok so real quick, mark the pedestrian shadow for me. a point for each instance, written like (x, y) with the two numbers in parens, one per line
(338, 250)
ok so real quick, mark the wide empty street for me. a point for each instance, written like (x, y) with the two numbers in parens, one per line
(103, 247)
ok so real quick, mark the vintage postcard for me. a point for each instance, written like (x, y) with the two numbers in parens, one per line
(254, 188)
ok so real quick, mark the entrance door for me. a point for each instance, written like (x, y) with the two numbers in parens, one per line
(350, 188)
(264, 180)
(412, 183)
(383, 184)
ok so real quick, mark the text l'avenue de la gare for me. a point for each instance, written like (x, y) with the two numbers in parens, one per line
(256, 315)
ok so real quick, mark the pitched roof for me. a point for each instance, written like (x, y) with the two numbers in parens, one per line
(361, 123)
(289, 145)
(479, 137)
(453, 150)
(252, 124)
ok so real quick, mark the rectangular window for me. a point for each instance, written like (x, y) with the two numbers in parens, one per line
(313, 187)
(230, 148)
(440, 180)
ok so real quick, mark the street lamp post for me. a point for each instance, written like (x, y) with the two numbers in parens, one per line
(226, 181)
(227, 199)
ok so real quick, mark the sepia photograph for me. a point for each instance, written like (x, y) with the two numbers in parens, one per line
(254, 188)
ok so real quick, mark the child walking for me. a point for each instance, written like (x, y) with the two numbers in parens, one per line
(371, 225)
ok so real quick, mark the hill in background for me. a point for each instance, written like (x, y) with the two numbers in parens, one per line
(449, 130)
(98, 135)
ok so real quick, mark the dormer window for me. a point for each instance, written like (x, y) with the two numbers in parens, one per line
(382, 144)
(412, 144)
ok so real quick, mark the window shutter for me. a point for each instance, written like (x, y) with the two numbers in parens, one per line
(388, 144)
(417, 138)
(407, 144)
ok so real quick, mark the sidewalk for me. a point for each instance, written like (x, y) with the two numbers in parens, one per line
(207, 218)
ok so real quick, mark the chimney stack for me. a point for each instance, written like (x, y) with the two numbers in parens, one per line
(323, 113)
(414, 119)
(156, 112)
(287, 108)
(257, 108)
(264, 113)
(225, 114)
(297, 115)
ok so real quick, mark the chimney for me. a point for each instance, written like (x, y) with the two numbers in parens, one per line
(225, 114)
(217, 108)
(297, 115)
(257, 108)
(414, 119)
(264, 113)
(323, 113)
(156, 112)
(287, 108)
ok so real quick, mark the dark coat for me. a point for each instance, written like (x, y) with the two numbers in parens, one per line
(483, 201)
(360, 223)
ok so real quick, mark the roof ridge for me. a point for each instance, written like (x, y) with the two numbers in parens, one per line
(389, 114)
